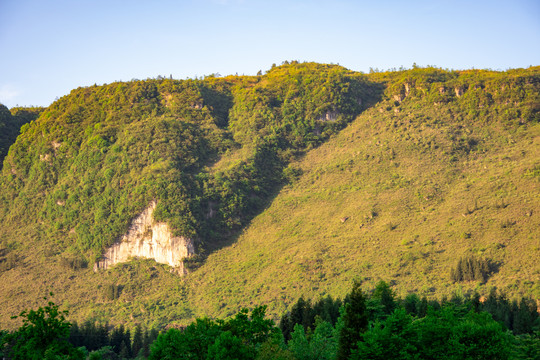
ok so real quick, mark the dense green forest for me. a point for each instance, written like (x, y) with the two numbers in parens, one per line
(290, 183)
(361, 326)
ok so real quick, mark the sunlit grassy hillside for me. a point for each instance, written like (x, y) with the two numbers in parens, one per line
(440, 165)
(401, 194)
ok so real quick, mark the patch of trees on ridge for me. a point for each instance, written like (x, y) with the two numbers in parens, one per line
(470, 268)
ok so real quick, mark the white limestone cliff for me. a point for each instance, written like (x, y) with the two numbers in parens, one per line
(148, 239)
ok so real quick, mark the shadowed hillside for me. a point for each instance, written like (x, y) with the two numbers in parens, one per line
(11, 121)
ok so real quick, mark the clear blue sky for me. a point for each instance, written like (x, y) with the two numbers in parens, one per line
(49, 47)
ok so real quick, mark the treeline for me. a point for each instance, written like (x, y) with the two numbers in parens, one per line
(367, 325)
(519, 316)
(46, 334)
(116, 343)
(364, 325)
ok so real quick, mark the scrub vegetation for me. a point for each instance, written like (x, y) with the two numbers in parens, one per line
(291, 183)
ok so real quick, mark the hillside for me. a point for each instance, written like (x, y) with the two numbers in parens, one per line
(400, 195)
(289, 183)
(11, 121)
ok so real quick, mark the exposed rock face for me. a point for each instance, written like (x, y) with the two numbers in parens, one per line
(329, 116)
(408, 88)
(148, 239)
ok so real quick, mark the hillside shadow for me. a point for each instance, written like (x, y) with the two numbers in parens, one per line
(10, 126)
(270, 176)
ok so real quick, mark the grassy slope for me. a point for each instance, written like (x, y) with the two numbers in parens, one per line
(415, 197)
(411, 213)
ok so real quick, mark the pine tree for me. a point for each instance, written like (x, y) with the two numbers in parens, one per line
(285, 326)
(468, 270)
(146, 343)
(410, 303)
(75, 335)
(103, 335)
(127, 341)
(484, 269)
(422, 307)
(137, 345)
(384, 294)
(458, 274)
(308, 317)
(90, 336)
(117, 336)
(453, 275)
(525, 315)
(354, 322)
(124, 351)
(149, 337)
(475, 301)
(297, 313)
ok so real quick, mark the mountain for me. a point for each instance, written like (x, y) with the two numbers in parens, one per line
(273, 186)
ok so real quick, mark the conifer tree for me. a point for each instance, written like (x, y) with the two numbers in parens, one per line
(127, 341)
(146, 343)
(137, 341)
(410, 303)
(117, 336)
(385, 296)
(75, 335)
(298, 312)
(285, 326)
(124, 350)
(354, 322)
(458, 273)
(422, 307)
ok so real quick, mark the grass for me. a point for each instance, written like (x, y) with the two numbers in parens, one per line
(391, 183)
(418, 188)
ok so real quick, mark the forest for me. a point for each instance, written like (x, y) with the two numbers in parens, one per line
(375, 325)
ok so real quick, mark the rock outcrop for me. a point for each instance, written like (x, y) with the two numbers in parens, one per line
(148, 239)
(329, 116)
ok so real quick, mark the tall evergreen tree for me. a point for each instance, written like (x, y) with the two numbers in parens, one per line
(354, 322)
(297, 312)
(146, 343)
(127, 341)
(137, 344)
(117, 336)
(385, 296)
(124, 350)
(75, 335)
(285, 326)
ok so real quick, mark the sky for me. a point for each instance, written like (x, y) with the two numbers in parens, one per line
(48, 48)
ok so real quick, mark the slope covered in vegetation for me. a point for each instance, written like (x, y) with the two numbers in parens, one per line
(98, 156)
(425, 177)
(11, 121)
(293, 182)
